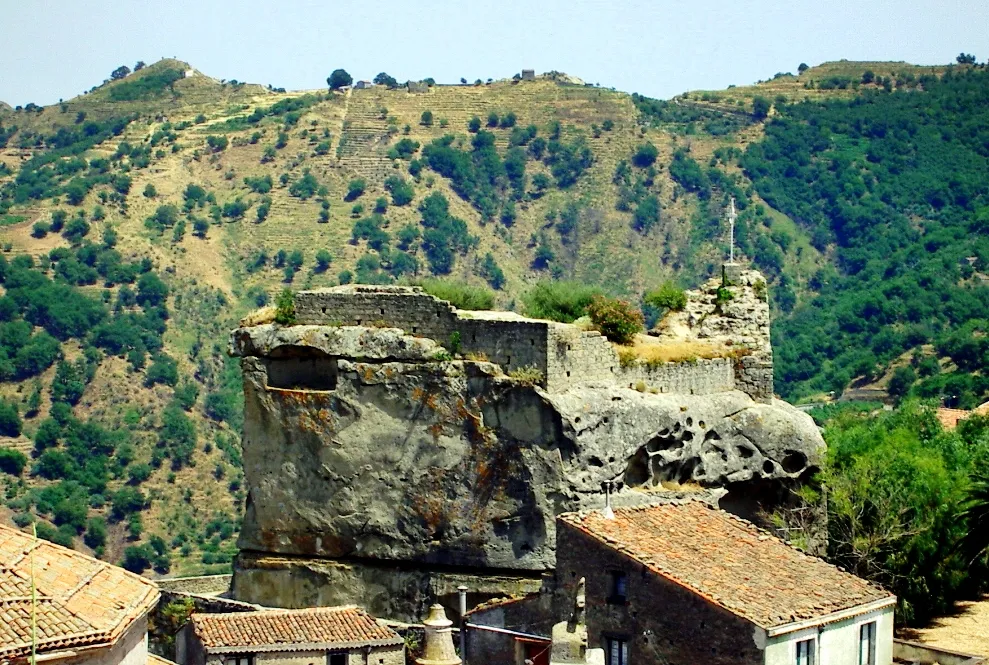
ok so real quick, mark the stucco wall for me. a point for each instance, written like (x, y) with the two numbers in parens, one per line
(837, 643)
(130, 649)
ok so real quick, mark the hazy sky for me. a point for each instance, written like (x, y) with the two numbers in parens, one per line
(55, 49)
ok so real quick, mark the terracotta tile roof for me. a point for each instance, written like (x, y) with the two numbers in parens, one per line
(288, 630)
(79, 601)
(729, 562)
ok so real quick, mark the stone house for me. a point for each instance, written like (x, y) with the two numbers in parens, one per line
(688, 583)
(363, 85)
(87, 612)
(317, 636)
(528, 74)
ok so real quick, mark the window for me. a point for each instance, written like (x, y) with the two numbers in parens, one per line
(242, 659)
(619, 588)
(805, 652)
(867, 644)
(336, 659)
(617, 652)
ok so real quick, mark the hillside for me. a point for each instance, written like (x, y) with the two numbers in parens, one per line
(174, 203)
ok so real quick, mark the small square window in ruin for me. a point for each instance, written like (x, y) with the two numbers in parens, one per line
(336, 658)
(568, 374)
(323, 309)
(382, 310)
(619, 588)
(414, 330)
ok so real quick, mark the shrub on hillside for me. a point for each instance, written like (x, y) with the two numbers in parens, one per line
(285, 308)
(668, 297)
(616, 319)
(645, 155)
(12, 461)
(460, 294)
(10, 420)
(559, 301)
(355, 188)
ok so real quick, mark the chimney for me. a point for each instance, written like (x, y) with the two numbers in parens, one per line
(608, 512)
(438, 648)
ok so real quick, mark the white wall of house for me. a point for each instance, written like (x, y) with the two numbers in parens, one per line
(130, 649)
(836, 643)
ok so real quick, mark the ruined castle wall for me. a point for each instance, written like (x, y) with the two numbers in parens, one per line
(702, 377)
(576, 356)
(412, 310)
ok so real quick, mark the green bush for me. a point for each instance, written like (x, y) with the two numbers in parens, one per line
(285, 308)
(616, 319)
(668, 297)
(12, 461)
(559, 301)
(645, 155)
(401, 190)
(460, 294)
(10, 420)
(355, 188)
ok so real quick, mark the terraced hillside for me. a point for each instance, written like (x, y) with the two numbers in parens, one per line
(230, 192)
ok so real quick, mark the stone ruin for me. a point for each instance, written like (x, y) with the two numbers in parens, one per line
(396, 447)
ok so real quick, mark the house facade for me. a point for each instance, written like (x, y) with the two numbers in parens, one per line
(687, 583)
(87, 612)
(315, 636)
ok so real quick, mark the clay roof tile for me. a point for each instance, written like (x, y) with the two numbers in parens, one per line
(729, 561)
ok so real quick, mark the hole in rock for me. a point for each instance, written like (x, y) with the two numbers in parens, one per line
(324, 310)
(595, 461)
(794, 461)
(690, 421)
(676, 427)
(382, 310)
(711, 435)
(687, 474)
(745, 452)
(687, 435)
(768, 467)
(301, 368)
(577, 419)
(637, 469)
(700, 423)
(660, 442)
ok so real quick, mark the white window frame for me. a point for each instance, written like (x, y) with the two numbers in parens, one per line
(867, 643)
(805, 651)
(239, 659)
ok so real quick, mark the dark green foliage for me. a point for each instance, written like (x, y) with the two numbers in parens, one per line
(401, 190)
(760, 107)
(668, 297)
(12, 461)
(426, 119)
(688, 173)
(857, 175)
(355, 188)
(163, 369)
(186, 394)
(148, 86)
(305, 187)
(381, 205)
(285, 308)
(444, 234)
(404, 149)
(897, 492)
(371, 229)
(217, 143)
(558, 301)
(492, 272)
(645, 155)
(69, 383)
(259, 184)
(323, 260)
(138, 473)
(646, 214)
(137, 558)
(386, 80)
(460, 294)
(568, 161)
(95, 533)
(474, 125)
(177, 435)
(407, 236)
(338, 79)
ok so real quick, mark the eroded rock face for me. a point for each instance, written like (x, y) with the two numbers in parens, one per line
(363, 445)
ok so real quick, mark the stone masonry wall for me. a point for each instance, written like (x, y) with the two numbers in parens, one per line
(564, 354)
(697, 631)
(702, 377)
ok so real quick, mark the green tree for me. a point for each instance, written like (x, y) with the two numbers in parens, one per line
(426, 119)
(616, 319)
(760, 107)
(10, 420)
(12, 461)
(149, 191)
(386, 80)
(285, 308)
(339, 79)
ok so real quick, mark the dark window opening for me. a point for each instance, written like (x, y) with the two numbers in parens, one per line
(336, 659)
(616, 651)
(300, 368)
(619, 588)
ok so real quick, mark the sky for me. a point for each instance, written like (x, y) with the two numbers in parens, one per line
(54, 49)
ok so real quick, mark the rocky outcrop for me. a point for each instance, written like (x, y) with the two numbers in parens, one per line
(372, 458)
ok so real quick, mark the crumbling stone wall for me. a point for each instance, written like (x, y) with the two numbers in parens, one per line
(701, 377)
(564, 354)
(740, 322)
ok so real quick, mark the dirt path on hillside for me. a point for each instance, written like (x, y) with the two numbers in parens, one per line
(967, 630)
